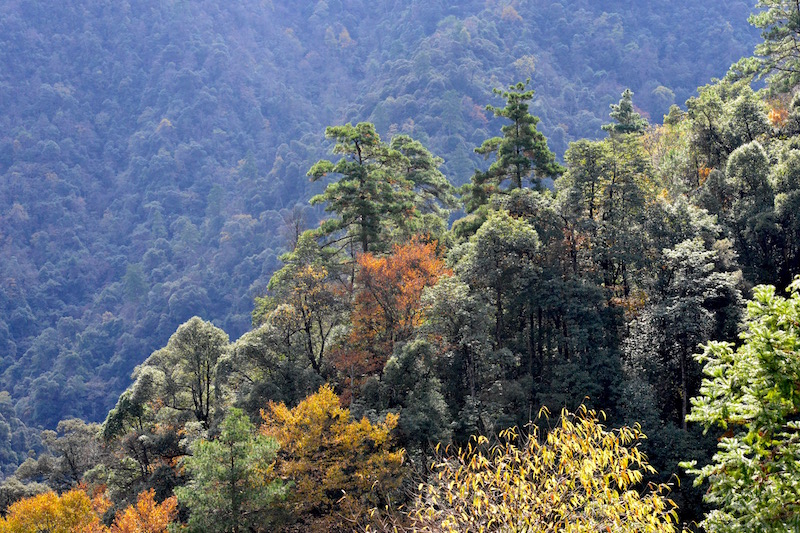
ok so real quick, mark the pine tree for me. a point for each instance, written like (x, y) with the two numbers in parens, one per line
(777, 58)
(626, 117)
(520, 154)
(229, 491)
(370, 192)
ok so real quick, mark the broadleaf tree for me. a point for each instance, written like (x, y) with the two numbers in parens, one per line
(750, 392)
(578, 477)
(341, 470)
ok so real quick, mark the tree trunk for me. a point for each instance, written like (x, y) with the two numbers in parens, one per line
(684, 399)
(498, 327)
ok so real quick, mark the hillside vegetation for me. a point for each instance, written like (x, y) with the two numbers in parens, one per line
(150, 155)
(331, 267)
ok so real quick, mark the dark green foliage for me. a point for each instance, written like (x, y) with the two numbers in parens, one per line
(522, 152)
(787, 214)
(776, 58)
(227, 491)
(16, 439)
(627, 119)
(149, 155)
(693, 301)
(524, 321)
(370, 192)
(603, 197)
(498, 263)
(433, 191)
(263, 365)
(460, 326)
(169, 200)
(411, 387)
(748, 121)
(383, 190)
(127, 185)
(579, 55)
(744, 200)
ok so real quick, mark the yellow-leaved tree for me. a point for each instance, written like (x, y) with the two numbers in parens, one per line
(339, 470)
(580, 477)
(72, 512)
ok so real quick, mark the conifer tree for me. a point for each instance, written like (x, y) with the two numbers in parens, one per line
(229, 491)
(778, 57)
(751, 393)
(520, 154)
(626, 117)
(366, 192)
(382, 189)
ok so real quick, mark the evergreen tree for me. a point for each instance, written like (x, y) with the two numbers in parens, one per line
(520, 154)
(603, 195)
(692, 302)
(411, 386)
(751, 216)
(585, 181)
(228, 491)
(433, 192)
(626, 117)
(748, 118)
(778, 57)
(382, 187)
(787, 212)
(368, 193)
(459, 325)
(498, 263)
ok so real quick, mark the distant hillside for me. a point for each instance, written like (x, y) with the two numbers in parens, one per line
(151, 152)
(579, 54)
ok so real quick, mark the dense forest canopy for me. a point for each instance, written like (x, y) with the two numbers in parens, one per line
(152, 154)
(332, 267)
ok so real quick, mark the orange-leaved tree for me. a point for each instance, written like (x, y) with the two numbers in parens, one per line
(387, 305)
(146, 515)
(72, 512)
(340, 470)
(581, 477)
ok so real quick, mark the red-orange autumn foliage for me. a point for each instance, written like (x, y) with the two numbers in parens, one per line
(387, 305)
(73, 512)
(146, 516)
(778, 116)
(702, 174)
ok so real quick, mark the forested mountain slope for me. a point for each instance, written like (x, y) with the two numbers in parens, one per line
(421, 357)
(150, 151)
